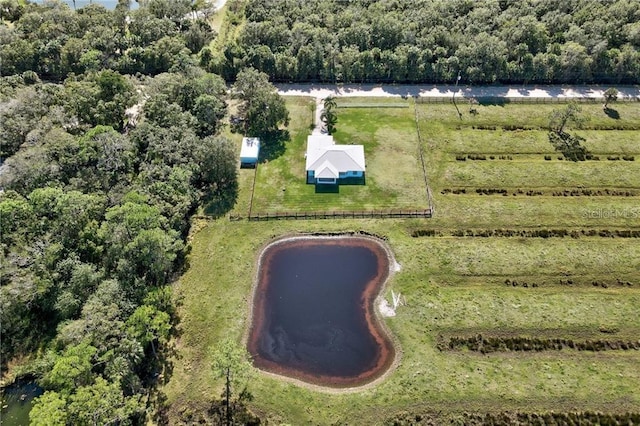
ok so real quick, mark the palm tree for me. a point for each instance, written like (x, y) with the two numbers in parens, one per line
(330, 103)
(328, 115)
(329, 118)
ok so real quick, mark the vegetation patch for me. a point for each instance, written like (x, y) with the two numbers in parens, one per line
(531, 233)
(582, 192)
(485, 345)
(586, 418)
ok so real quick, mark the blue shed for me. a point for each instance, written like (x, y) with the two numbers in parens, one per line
(249, 152)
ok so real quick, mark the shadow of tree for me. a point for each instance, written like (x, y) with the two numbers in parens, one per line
(273, 144)
(569, 145)
(214, 413)
(492, 101)
(157, 374)
(221, 201)
(159, 405)
(612, 113)
(240, 413)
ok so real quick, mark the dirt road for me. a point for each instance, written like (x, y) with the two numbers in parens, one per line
(390, 90)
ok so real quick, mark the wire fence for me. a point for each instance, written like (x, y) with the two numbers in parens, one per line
(500, 100)
(362, 214)
(374, 105)
(422, 162)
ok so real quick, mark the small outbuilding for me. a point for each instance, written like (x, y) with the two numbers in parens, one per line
(249, 152)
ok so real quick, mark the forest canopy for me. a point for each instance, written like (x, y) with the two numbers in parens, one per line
(110, 139)
(431, 41)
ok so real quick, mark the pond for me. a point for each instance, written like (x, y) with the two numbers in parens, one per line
(17, 400)
(313, 311)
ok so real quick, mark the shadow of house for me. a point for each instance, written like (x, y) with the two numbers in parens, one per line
(331, 164)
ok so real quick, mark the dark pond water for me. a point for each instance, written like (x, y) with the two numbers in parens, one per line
(17, 401)
(313, 311)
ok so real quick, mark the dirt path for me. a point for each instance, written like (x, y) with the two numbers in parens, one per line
(219, 4)
(319, 125)
(516, 91)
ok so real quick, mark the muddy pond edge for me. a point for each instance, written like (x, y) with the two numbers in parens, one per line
(378, 318)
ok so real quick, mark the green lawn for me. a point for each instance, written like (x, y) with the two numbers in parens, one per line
(454, 286)
(394, 177)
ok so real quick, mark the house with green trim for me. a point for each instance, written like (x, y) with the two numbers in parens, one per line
(329, 163)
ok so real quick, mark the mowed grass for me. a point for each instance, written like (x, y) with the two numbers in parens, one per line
(533, 116)
(453, 286)
(533, 174)
(446, 136)
(394, 176)
(523, 166)
(505, 142)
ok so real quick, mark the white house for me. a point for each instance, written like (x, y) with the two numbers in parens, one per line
(249, 152)
(328, 163)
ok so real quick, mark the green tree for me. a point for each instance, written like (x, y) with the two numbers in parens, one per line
(610, 96)
(219, 164)
(103, 403)
(49, 409)
(150, 326)
(115, 95)
(561, 117)
(71, 369)
(328, 115)
(231, 362)
(262, 109)
(570, 145)
(161, 111)
(22, 117)
(149, 257)
(209, 111)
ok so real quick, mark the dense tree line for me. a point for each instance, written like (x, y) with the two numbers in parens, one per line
(56, 42)
(100, 174)
(93, 227)
(508, 41)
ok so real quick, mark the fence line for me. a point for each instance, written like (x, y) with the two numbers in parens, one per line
(365, 105)
(363, 214)
(253, 189)
(499, 100)
(422, 162)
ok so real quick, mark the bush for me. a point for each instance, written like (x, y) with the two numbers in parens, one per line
(479, 343)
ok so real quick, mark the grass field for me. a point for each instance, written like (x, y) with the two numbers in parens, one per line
(394, 177)
(454, 286)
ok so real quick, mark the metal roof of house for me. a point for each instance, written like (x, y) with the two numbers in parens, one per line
(323, 156)
(327, 171)
(250, 148)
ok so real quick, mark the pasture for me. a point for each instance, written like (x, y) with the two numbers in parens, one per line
(486, 265)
